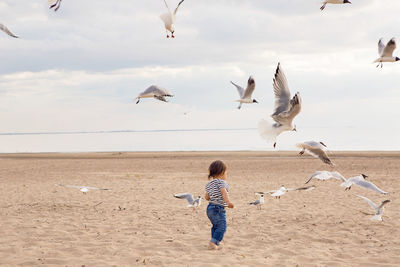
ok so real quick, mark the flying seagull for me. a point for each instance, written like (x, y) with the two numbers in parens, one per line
(386, 52)
(6, 30)
(258, 202)
(286, 108)
(83, 189)
(378, 209)
(154, 91)
(334, 2)
(281, 191)
(360, 181)
(245, 95)
(169, 19)
(315, 149)
(191, 201)
(325, 175)
(56, 5)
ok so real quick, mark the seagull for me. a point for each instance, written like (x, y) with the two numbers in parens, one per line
(6, 30)
(57, 5)
(334, 2)
(258, 202)
(83, 189)
(325, 175)
(154, 91)
(315, 149)
(169, 19)
(285, 109)
(360, 181)
(386, 52)
(281, 191)
(245, 95)
(189, 197)
(378, 209)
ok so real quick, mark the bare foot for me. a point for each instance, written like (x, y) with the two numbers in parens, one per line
(212, 246)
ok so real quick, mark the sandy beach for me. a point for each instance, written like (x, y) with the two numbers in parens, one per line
(138, 221)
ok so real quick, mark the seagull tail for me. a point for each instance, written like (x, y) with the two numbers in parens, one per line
(266, 130)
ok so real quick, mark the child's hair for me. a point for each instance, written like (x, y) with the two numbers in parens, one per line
(217, 168)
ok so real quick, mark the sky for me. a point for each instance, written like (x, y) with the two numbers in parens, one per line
(80, 68)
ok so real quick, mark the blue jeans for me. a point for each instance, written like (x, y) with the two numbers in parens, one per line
(217, 216)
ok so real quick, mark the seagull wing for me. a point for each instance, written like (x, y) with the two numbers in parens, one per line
(239, 89)
(251, 85)
(306, 188)
(255, 202)
(322, 175)
(381, 46)
(368, 185)
(6, 30)
(380, 208)
(187, 196)
(95, 188)
(281, 91)
(165, 2)
(372, 204)
(316, 152)
(325, 175)
(286, 117)
(176, 9)
(338, 176)
(72, 186)
(389, 48)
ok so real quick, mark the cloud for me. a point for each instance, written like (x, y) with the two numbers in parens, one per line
(80, 68)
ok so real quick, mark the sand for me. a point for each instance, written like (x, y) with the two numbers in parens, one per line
(138, 222)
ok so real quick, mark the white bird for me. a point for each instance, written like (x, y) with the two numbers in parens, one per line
(378, 209)
(154, 91)
(360, 181)
(286, 109)
(56, 5)
(386, 52)
(169, 19)
(334, 2)
(6, 30)
(315, 149)
(281, 191)
(189, 197)
(83, 189)
(258, 202)
(325, 175)
(245, 95)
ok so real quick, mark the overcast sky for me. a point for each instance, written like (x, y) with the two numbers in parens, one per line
(79, 69)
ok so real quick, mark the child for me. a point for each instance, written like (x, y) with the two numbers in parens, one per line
(217, 195)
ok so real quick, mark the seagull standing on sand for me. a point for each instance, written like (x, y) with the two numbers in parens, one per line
(245, 95)
(285, 109)
(154, 91)
(258, 202)
(378, 209)
(315, 149)
(6, 30)
(360, 181)
(191, 201)
(325, 175)
(169, 19)
(56, 5)
(83, 189)
(386, 52)
(334, 2)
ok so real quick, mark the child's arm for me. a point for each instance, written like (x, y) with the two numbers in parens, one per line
(207, 196)
(226, 197)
